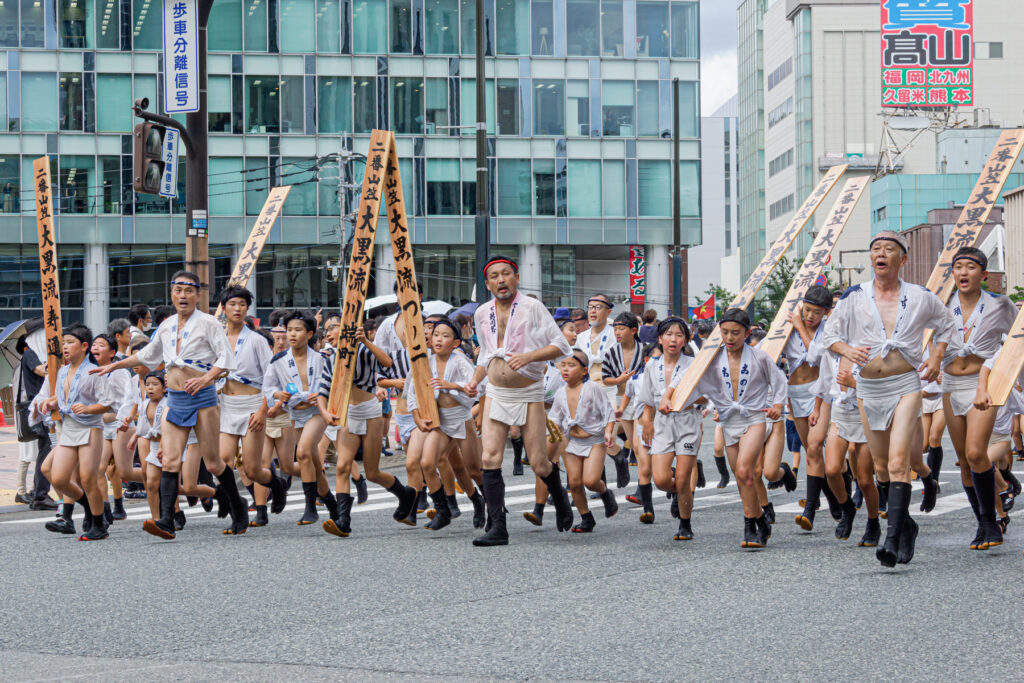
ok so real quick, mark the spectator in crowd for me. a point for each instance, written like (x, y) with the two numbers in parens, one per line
(140, 318)
(28, 381)
(649, 330)
(121, 330)
(579, 319)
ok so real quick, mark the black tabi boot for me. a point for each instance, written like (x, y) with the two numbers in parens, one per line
(494, 495)
(536, 516)
(63, 524)
(845, 526)
(701, 480)
(239, 510)
(931, 491)
(223, 501)
(1014, 484)
(769, 512)
(899, 504)
(788, 477)
(278, 494)
(586, 524)
(361, 493)
(834, 508)
(407, 497)
(979, 536)
(422, 501)
(559, 497)
(87, 520)
(685, 532)
(517, 456)
(723, 471)
(883, 498)
(251, 488)
(764, 530)
(621, 469)
(750, 539)
(985, 488)
(673, 507)
(261, 518)
(179, 520)
(479, 510)
(119, 511)
(443, 516)
(647, 516)
(611, 506)
(98, 530)
(341, 525)
(872, 532)
(453, 507)
(309, 514)
(108, 514)
(164, 527)
(805, 519)
(858, 496)
(934, 461)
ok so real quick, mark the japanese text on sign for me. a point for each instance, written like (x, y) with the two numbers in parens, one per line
(927, 53)
(48, 267)
(637, 275)
(169, 155)
(181, 56)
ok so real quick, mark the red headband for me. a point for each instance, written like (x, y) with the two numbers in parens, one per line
(493, 261)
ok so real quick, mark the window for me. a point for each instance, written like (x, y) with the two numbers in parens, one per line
(543, 187)
(70, 92)
(38, 101)
(437, 106)
(614, 188)
(578, 108)
(401, 26)
(583, 38)
(227, 181)
(293, 111)
(442, 18)
(3, 102)
(302, 198)
(255, 20)
(108, 24)
(689, 189)
(781, 207)
(9, 24)
(256, 185)
(995, 50)
(780, 112)
(76, 184)
(443, 187)
(880, 214)
(584, 186)
(684, 30)
(468, 95)
(780, 163)
(514, 187)
(543, 28)
(261, 106)
(218, 103)
(297, 17)
(365, 100)
(76, 23)
(549, 108)
(611, 28)
(296, 277)
(10, 184)
(508, 106)
(369, 17)
(442, 270)
(33, 27)
(511, 14)
(647, 109)
(617, 108)
(780, 73)
(147, 27)
(226, 15)
(110, 174)
(652, 24)
(20, 296)
(334, 104)
(328, 26)
(407, 105)
(688, 117)
(469, 189)
(653, 181)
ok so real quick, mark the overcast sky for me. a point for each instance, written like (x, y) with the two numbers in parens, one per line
(717, 53)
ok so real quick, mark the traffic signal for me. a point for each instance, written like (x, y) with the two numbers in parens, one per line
(149, 166)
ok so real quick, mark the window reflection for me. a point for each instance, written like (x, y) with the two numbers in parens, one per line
(549, 107)
(583, 37)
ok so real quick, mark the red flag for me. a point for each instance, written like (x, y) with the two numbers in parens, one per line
(706, 310)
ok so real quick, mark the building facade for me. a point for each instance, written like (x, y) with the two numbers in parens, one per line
(579, 102)
(820, 89)
(719, 198)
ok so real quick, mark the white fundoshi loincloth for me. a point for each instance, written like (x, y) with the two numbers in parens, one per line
(508, 405)
(879, 397)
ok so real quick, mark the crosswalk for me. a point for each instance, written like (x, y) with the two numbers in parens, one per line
(520, 498)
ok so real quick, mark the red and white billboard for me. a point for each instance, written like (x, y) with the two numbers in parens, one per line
(637, 276)
(927, 53)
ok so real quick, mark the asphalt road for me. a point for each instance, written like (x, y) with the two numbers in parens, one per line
(396, 603)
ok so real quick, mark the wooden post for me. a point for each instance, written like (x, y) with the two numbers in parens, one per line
(778, 333)
(48, 272)
(711, 345)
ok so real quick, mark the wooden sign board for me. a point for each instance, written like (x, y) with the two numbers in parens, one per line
(711, 345)
(1009, 363)
(246, 265)
(814, 263)
(381, 182)
(48, 271)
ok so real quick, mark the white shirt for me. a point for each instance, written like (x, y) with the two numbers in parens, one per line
(990, 321)
(761, 383)
(84, 388)
(386, 338)
(798, 354)
(530, 328)
(204, 344)
(457, 370)
(856, 321)
(654, 383)
(119, 390)
(284, 370)
(605, 340)
(593, 411)
(827, 389)
(251, 357)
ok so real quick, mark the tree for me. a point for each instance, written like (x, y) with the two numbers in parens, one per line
(1017, 294)
(723, 297)
(774, 290)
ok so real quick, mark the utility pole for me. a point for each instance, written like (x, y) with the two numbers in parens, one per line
(197, 240)
(679, 276)
(483, 233)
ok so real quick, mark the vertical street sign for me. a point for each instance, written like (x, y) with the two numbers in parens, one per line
(169, 155)
(48, 269)
(181, 56)
(927, 53)
(637, 276)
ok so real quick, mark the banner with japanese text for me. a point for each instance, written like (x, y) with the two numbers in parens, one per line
(48, 268)
(637, 276)
(927, 53)
(181, 56)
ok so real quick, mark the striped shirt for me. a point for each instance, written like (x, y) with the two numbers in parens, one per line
(364, 378)
(399, 365)
(612, 365)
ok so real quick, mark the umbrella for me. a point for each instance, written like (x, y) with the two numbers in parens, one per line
(9, 356)
(379, 301)
(465, 309)
(436, 308)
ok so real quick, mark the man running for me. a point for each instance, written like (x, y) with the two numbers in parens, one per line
(517, 335)
(880, 326)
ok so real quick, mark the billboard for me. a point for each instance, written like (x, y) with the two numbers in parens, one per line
(637, 276)
(927, 53)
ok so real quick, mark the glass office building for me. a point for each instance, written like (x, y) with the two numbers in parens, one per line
(579, 116)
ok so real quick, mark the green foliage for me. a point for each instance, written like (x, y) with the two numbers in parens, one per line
(723, 297)
(1017, 294)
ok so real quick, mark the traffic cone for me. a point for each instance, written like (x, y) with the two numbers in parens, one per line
(3, 422)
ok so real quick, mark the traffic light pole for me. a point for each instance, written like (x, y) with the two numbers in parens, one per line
(197, 252)
(482, 231)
